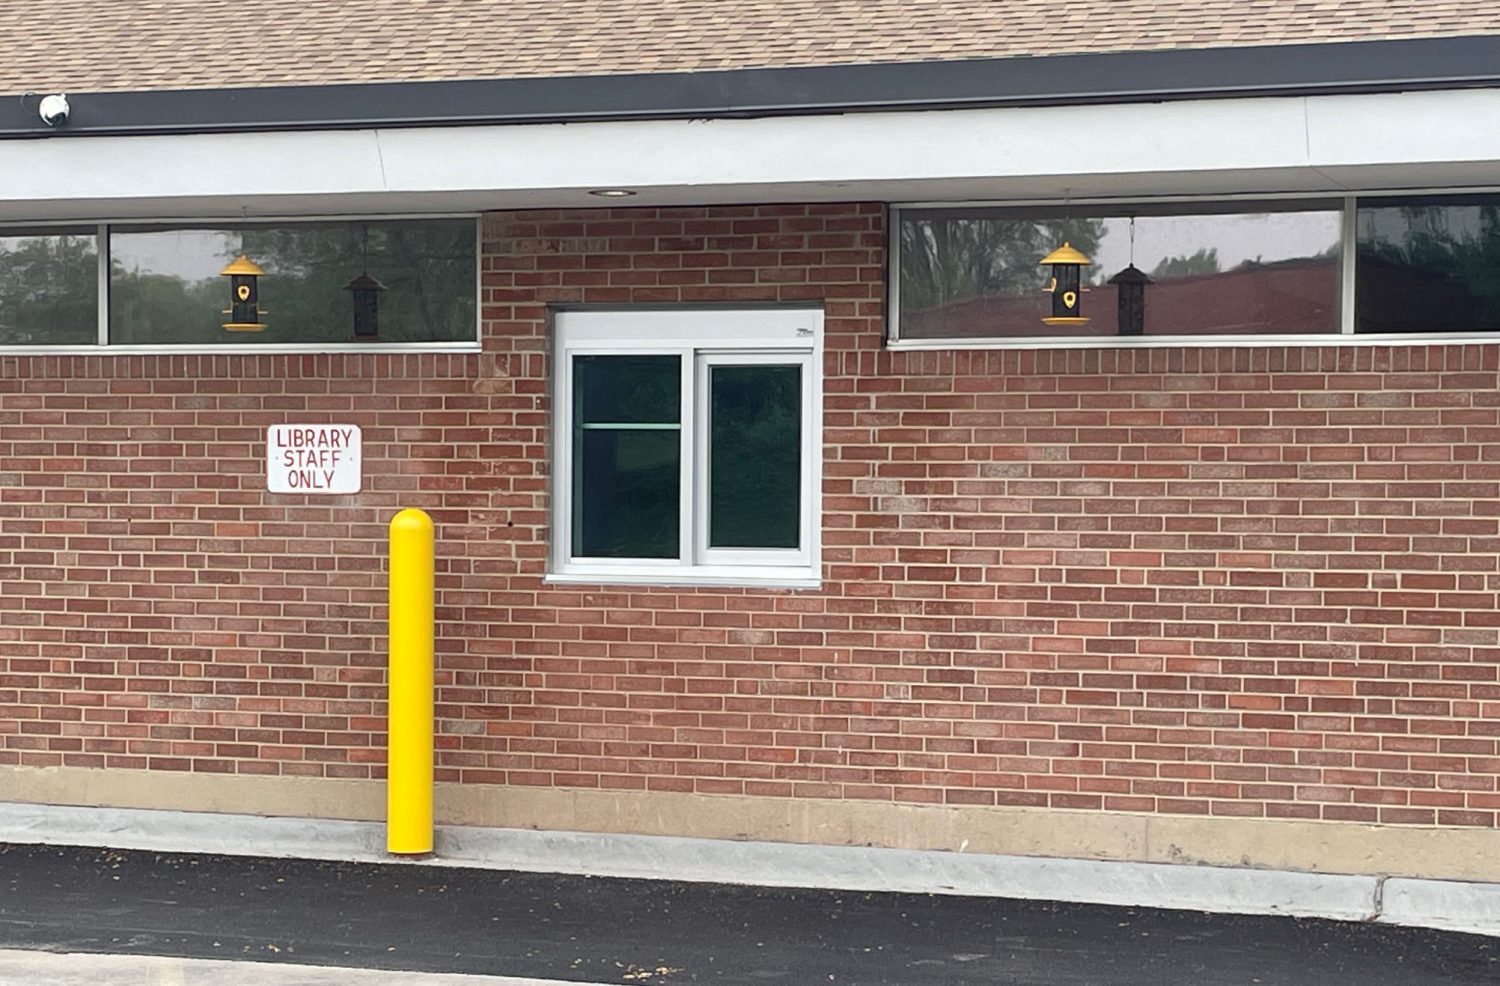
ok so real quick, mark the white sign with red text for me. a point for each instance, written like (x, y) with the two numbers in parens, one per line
(313, 458)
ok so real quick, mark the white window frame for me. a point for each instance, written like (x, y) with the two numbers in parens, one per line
(702, 338)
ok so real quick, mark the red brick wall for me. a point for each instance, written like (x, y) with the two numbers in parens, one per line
(1245, 582)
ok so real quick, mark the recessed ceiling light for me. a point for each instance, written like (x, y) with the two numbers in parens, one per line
(612, 193)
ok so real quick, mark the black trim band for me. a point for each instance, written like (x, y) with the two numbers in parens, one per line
(1119, 77)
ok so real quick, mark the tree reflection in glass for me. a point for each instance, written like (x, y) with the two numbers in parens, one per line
(165, 286)
(1243, 270)
(49, 288)
(1428, 265)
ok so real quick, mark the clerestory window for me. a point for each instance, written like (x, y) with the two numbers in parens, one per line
(329, 283)
(1289, 269)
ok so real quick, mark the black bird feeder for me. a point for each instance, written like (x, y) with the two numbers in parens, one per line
(366, 291)
(1130, 284)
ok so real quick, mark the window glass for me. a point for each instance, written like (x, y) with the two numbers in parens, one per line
(49, 288)
(1428, 265)
(627, 447)
(166, 285)
(1258, 269)
(755, 456)
(629, 389)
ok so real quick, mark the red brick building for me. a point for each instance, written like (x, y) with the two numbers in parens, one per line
(1226, 599)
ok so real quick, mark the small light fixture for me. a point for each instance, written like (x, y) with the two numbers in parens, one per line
(54, 109)
(612, 193)
(1066, 285)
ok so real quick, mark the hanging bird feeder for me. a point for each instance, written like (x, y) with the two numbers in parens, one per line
(366, 292)
(244, 296)
(1130, 284)
(1066, 285)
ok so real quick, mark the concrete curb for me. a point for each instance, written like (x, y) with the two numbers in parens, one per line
(1451, 906)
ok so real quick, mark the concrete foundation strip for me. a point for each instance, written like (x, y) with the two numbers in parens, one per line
(1446, 905)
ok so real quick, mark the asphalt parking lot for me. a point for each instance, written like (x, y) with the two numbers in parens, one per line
(596, 930)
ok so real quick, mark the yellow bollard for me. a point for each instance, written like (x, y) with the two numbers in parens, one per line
(409, 766)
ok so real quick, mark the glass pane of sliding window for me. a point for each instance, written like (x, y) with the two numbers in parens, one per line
(322, 282)
(1428, 265)
(49, 288)
(1250, 269)
(627, 456)
(755, 456)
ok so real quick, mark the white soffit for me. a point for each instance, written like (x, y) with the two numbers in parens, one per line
(1203, 147)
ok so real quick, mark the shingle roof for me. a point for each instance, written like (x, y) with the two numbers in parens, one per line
(113, 45)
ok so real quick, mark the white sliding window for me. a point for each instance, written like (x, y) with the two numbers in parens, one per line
(687, 446)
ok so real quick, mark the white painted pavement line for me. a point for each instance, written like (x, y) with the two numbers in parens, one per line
(1454, 906)
(24, 968)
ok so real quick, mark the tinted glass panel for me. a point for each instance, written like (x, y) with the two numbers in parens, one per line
(627, 456)
(49, 289)
(631, 389)
(626, 499)
(755, 456)
(1427, 265)
(166, 286)
(977, 274)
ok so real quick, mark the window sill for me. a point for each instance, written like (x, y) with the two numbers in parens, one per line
(700, 577)
(1198, 342)
(247, 348)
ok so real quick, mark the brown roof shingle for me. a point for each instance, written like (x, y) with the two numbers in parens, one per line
(49, 45)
